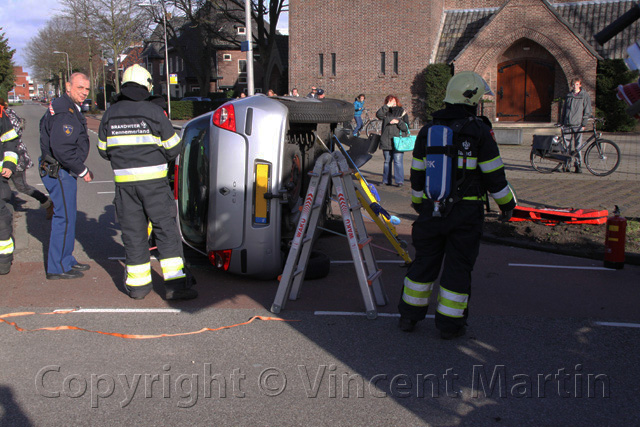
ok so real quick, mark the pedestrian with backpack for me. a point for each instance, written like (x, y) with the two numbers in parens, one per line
(395, 121)
(446, 235)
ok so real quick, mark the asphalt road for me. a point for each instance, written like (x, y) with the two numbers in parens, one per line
(552, 340)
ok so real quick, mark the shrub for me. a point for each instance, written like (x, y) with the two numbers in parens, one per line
(436, 78)
(611, 73)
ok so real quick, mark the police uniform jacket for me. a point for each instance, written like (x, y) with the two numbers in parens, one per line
(8, 142)
(63, 135)
(137, 138)
(479, 165)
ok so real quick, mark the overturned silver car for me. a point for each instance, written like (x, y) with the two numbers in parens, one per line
(242, 176)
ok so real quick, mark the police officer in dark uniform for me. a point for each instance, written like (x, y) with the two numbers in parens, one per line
(138, 139)
(8, 150)
(64, 142)
(453, 236)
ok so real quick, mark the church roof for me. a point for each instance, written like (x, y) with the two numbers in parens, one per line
(586, 19)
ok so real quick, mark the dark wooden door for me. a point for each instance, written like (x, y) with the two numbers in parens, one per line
(525, 91)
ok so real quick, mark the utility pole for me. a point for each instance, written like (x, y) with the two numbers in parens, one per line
(248, 20)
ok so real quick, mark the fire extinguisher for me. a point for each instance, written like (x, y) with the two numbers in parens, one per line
(614, 240)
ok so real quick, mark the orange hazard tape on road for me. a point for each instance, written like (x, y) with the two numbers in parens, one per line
(118, 335)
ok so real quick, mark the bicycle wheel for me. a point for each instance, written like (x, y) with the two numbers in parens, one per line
(374, 126)
(602, 157)
(543, 164)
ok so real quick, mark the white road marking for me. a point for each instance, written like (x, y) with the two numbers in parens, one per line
(618, 325)
(379, 261)
(106, 192)
(121, 310)
(358, 313)
(570, 267)
(101, 182)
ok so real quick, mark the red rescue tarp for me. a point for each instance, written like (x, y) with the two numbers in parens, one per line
(556, 216)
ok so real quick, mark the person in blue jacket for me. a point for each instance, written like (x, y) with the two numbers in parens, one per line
(358, 106)
(64, 142)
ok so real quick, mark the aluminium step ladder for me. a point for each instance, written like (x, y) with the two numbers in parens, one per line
(334, 166)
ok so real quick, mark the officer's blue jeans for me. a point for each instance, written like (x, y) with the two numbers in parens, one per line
(62, 191)
(358, 124)
(396, 168)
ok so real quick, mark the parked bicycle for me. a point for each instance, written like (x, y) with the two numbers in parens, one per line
(550, 153)
(370, 124)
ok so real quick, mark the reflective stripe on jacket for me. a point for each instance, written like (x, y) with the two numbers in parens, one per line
(139, 140)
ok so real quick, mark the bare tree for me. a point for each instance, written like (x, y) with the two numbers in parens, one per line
(83, 11)
(265, 15)
(57, 35)
(210, 25)
(119, 24)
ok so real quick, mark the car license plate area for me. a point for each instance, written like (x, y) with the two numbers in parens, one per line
(261, 186)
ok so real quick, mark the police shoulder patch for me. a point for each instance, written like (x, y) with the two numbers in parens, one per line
(68, 129)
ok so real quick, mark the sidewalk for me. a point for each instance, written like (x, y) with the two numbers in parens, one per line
(583, 190)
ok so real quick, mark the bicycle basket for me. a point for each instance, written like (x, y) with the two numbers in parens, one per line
(546, 145)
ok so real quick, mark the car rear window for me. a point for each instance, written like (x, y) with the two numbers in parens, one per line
(193, 183)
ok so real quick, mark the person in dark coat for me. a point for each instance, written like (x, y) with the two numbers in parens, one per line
(65, 139)
(395, 121)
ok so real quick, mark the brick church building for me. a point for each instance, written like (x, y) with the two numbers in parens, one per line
(527, 50)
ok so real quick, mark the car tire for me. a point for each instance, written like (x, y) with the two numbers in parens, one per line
(319, 266)
(292, 173)
(318, 111)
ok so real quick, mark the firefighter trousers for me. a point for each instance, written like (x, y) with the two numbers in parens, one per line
(136, 205)
(6, 240)
(450, 244)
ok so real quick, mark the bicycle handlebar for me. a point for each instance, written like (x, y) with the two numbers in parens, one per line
(611, 30)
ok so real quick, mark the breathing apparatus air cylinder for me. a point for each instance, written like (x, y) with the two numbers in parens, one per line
(615, 240)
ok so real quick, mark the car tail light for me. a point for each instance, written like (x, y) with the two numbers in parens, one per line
(176, 169)
(225, 117)
(220, 259)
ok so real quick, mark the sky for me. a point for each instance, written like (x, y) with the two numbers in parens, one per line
(21, 19)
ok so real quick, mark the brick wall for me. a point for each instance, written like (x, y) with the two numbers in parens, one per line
(356, 32)
(552, 39)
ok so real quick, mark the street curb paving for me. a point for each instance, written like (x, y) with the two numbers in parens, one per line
(632, 259)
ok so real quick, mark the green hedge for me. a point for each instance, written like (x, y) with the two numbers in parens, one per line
(611, 73)
(436, 78)
(186, 110)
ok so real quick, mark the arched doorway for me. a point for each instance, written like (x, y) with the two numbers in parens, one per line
(524, 90)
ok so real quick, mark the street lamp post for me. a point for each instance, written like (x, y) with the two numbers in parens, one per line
(166, 53)
(68, 71)
(104, 79)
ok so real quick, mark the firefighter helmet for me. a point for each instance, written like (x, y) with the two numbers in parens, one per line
(138, 74)
(466, 88)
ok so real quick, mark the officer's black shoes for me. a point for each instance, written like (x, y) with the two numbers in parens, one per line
(578, 169)
(80, 267)
(5, 268)
(406, 325)
(449, 335)
(71, 274)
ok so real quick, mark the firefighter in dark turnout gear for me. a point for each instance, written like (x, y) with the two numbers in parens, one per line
(138, 139)
(64, 142)
(9, 158)
(452, 241)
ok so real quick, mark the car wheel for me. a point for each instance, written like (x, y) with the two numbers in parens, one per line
(319, 266)
(318, 111)
(292, 173)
